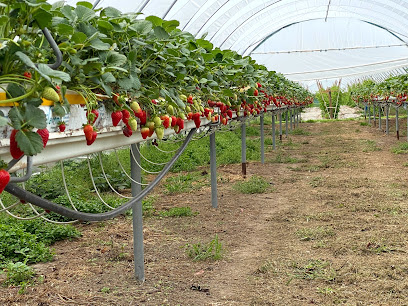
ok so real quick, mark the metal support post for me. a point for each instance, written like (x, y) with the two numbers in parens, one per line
(373, 115)
(243, 148)
(379, 117)
(365, 111)
(286, 123)
(262, 139)
(280, 126)
(137, 214)
(387, 111)
(291, 119)
(273, 132)
(369, 114)
(213, 165)
(396, 122)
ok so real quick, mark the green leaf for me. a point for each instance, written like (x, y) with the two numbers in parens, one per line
(105, 24)
(111, 12)
(3, 121)
(126, 83)
(116, 59)
(54, 74)
(43, 18)
(85, 3)
(15, 90)
(155, 20)
(99, 45)
(108, 78)
(170, 25)
(84, 14)
(35, 102)
(205, 44)
(35, 117)
(160, 33)
(16, 117)
(79, 38)
(58, 110)
(142, 26)
(29, 142)
(65, 29)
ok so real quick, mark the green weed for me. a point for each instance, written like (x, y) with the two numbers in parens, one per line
(183, 183)
(18, 274)
(177, 212)
(370, 146)
(400, 148)
(199, 251)
(299, 131)
(255, 184)
(320, 232)
(314, 269)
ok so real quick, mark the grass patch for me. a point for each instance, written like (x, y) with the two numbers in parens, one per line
(315, 233)
(18, 274)
(316, 181)
(205, 251)
(364, 123)
(370, 146)
(255, 184)
(184, 183)
(400, 148)
(299, 131)
(314, 270)
(175, 212)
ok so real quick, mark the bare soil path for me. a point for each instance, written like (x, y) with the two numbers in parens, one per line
(332, 229)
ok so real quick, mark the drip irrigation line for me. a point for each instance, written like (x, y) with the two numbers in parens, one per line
(41, 215)
(66, 187)
(10, 207)
(149, 161)
(163, 151)
(6, 209)
(107, 180)
(140, 166)
(94, 185)
(45, 204)
(124, 171)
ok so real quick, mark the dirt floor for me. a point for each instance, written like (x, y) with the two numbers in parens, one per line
(332, 229)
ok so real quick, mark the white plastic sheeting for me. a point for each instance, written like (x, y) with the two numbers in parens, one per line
(260, 28)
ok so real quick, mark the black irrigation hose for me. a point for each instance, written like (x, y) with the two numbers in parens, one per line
(72, 214)
(57, 51)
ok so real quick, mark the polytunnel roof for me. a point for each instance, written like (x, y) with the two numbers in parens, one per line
(306, 40)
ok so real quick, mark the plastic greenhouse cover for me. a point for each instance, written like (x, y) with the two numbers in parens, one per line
(306, 40)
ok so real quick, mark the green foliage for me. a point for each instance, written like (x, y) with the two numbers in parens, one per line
(299, 131)
(314, 269)
(19, 245)
(177, 212)
(183, 183)
(209, 251)
(18, 274)
(255, 184)
(315, 233)
(400, 148)
(338, 97)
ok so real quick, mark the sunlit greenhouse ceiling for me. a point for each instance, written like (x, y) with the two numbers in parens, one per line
(306, 40)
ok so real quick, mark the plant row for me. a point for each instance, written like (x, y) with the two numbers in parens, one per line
(148, 73)
(393, 89)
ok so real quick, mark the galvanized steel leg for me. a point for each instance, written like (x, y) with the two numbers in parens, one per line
(243, 148)
(273, 132)
(374, 115)
(280, 127)
(397, 123)
(286, 123)
(369, 114)
(291, 119)
(387, 110)
(365, 111)
(379, 117)
(137, 214)
(213, 165)
(262, 139)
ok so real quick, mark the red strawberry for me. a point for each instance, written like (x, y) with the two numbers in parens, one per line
(166, 121)
(211, 103)
(173, 121)
(61, 127)
(255, 92)
(44, 135)
(116, 117)
(224, 121)
(259, 85)
(180, 123)
(127, 131)
(4, 179)
(88, 131)
(145, 132)
(93, 137)
(125, 116)
(143, 118)
(219, 104)
(27, 75)
(197, 121)
(15, 151)
(190, 99)
(229, 113)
